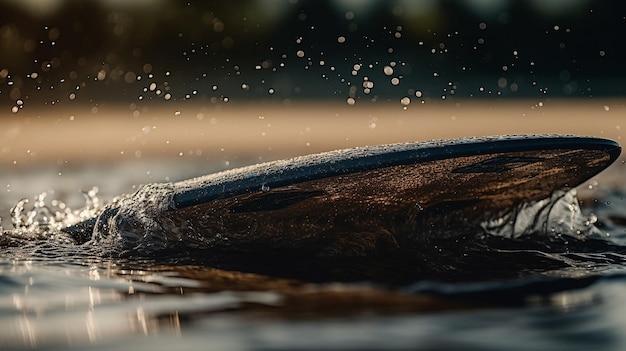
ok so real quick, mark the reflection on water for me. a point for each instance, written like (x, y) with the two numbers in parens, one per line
(52, 306)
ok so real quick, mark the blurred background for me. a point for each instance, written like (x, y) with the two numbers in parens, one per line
(227, 83)
(156, 51)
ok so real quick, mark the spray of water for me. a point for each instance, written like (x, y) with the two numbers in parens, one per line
(558, 214)
(42, 219)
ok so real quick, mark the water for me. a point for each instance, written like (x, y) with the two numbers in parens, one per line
(487, 291)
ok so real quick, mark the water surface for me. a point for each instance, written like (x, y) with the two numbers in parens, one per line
(491, 292)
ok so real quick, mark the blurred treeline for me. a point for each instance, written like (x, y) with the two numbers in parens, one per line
(54, 51)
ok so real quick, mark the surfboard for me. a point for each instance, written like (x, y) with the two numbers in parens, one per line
(370, 200)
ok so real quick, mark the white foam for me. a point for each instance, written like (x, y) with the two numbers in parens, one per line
(131, 221)
(559, 214)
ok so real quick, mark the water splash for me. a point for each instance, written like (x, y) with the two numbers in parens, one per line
(558, 214)
(40, 218)
(132, 221)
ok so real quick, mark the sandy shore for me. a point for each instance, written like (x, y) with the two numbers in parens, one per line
(79, 133)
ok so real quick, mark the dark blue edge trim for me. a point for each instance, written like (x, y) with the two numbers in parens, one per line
(343, 162)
